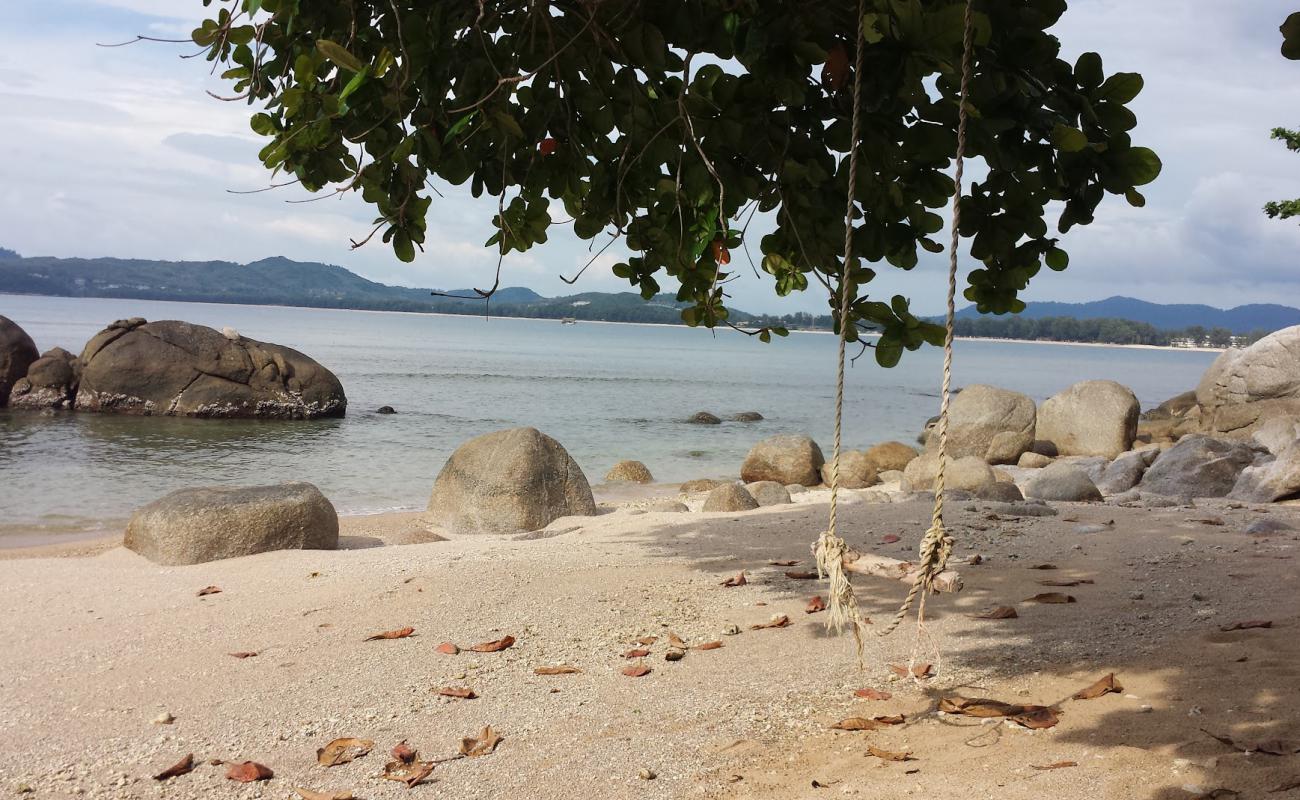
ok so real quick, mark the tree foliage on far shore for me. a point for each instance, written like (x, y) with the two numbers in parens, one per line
(1285, 209)
(666, 126)
(1101, 330)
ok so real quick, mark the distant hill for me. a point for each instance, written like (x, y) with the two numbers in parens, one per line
(1239, 320)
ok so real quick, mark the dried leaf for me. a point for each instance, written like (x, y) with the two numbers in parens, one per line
(676, 641)
(447, 648)
(637, 670)
(1247, 625)
(494, 647)
(464, 693)
(409, 773)
(815, 604)
(978, 707)
(1079, 582)
(1057, 765)
(404, 753)
(560, 669)
(481, 745)
(1001, 612)
(341, 751)
(777, 621)
(1050, 598)
(801, 576)
(400, 633)
(636, 653)
(182, 767)
(674, 655)
(1036, 717)
(207, 590)
(708, 646)
(1104, 685)
(738, 580)
(872, 694)
(311, 794)
(249, 771)
(856, 724)
(890, 538)
(783, 563)
(1044, 566)
(890, 719)
(888, 755)
(244, 654)
(647, 640)
(918, 671)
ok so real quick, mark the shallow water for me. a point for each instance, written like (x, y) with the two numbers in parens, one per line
(607, 392)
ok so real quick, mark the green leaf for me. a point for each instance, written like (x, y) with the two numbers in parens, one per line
(1135, 198)
(1291, 37)
(1087, 71)
(1121, 87)
(1138, 165)
(888, 351)
(252, 6)
(508, 124)
(871, 28)
(352, 86)
(1057, 259)
(403, 247)
(338, 54)
(1067, 139)
(459, 126)
(262, 124)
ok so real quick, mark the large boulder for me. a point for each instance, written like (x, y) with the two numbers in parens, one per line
(1200, 466)
(1091, 418)
(857, 470)
(17, 352)
(1270, 481)
(891, 455)
(629, 472)
(1124, 472)
(1276, 434)
(1063, 481)
(1244, 388)
(995, 425)
(730, 497)
(508, 481)
(179, 369)
(968, 473)
(784, 459)
(768, 493)
(704, 418)
(51, 382)
(192, 526)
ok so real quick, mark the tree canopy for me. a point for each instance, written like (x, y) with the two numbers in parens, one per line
(668, 125)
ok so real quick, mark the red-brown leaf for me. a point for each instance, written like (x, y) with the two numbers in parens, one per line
(1051, 598)
(856, 724)
(559, 669)
(1001, 612)
(182, 767)
(404, 753)
(1247, 625)
(481, 745)
(494, 647)
(872, 694)
(676, 641)
(447, 648)
(783, 563)
(407, 772)
(341, 751)
(1104, 685)
(777, 621)
(890, 538)
(1036, 717)
(249, 771)
(815, 604)
(674, 655)
(708, 646)
(636, 653)
(1044, 566)
(312, 794)
(647, 640)
(400, 633)
(245, 654)
(918, 671)
(207, 590)
(890, 719)
(888, 755)
(637, 670)
(737, 580)
(462, 693)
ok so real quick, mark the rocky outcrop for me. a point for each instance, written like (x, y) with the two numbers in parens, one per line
(729, 497)
(1032, 460)
(891, 456)
(193, 526)
(507, 482)
(1091, 418)
(51, 382)
(1124, 472)
(747, 416)
(699, 485)
(1277, 434)
(995, 425)
(1270, 481)
(968, 473)
(175, 368)
(1062, 481)
(1200, 466)
(784, 459)
(768, 493)
(17, 352)
(857, 470)
(704, 418)
(629, 472)
(1244, 388)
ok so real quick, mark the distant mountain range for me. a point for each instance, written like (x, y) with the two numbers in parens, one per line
(281, 281)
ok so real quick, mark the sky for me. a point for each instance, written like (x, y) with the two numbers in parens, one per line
(119, 152)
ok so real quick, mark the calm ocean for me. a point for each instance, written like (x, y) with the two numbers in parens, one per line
(607, 392)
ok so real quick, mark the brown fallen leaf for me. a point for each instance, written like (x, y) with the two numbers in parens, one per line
(777, 621)
(249, 771)
(1044, 566)
(1246, 625)
(738, 580)
(559, 669)
(783, 563)
(707, 646)
(1036, 718)
(1079, 582)
(464, 693)
(647, 640)
(978, 707)
(447, 648)
(856, 724)
(481, 745)
(400, 633)
(1001, 612)
(244, 654)
(207, 590)
(637, 670)
(312, 794)
(676, 641)
(341, 751)
(674, 655)
(872, 694)
(975, 560)
(1050, 598)
(494, 647)
(407, 772)
(918, 671)
(182, 767)
(890, 538)
(801, 576)
(636, 654)
(815, 604)
(1104, 685)
(888, 755)
(1057, 765)
(404, 753)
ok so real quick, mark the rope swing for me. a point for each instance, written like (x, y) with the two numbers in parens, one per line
(936, 546)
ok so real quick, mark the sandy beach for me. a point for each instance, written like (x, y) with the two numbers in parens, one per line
(101, 643)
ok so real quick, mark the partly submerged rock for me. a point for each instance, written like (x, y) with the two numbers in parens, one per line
(1090, 418)
(784, 459)
(747, 416)
(51, 382)
(704, 418)
(508, 481)
(629, 472)
(193, 526)
(17, 352)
